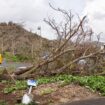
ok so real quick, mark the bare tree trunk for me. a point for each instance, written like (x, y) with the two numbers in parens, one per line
(2, 45)
(32, 50)
(13, 47)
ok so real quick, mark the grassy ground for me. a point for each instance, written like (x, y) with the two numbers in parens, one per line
(95, 83)
(54, 85)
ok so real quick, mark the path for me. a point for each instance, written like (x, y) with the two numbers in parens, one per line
(98, 101)
(14, 65)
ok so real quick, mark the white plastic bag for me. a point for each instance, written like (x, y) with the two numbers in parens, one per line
(26, 99)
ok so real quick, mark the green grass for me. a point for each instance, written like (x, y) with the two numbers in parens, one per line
(16, 58)
(47, 91)
(20, 85)
(95, 83)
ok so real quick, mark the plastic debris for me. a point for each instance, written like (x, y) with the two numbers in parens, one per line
(27, 98)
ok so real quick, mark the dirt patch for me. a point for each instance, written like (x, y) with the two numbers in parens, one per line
(51, 94)
(8, 98)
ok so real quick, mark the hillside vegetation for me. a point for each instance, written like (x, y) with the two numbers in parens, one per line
(15, 40)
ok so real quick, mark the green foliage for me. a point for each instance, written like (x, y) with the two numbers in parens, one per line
(44, 80)
(20, 85)
(47, 91)
(10, 57)
(16, 58)
(95, 83)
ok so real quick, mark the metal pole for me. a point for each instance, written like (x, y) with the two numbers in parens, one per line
(30, 89)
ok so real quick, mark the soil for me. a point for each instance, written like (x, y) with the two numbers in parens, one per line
(8, 98)
(51, 94)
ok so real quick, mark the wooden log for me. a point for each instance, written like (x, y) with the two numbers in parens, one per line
(22, 70)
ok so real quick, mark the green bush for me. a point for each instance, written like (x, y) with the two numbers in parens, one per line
(95, 83)
(10, 57)
(16, 58)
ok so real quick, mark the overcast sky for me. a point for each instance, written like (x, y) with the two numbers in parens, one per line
(32, 12)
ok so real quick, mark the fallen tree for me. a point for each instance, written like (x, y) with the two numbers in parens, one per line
(73, 39)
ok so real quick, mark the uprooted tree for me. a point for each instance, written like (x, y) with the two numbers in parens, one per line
(73, 43)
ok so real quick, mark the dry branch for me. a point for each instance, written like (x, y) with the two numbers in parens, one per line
(64, 46)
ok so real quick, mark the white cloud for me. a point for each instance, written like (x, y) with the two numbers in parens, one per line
(22, 9)
(29, 12)
(32, 12)
(95, 9)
